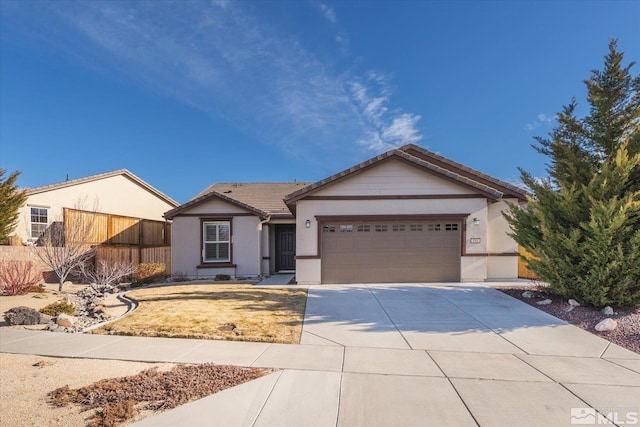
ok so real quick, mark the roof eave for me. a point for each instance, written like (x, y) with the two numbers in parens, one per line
(506, 188)
(206, 197)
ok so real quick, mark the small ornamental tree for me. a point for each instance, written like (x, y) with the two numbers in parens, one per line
(582, 224)
(11, 200)
(66, 246)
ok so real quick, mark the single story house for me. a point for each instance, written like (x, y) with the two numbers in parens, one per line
(407, 215)
(117, 193)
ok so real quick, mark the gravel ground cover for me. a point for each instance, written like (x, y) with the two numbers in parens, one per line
(626, 335)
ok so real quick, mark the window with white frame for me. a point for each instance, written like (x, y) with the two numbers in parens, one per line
(216, 241)
(39, 222)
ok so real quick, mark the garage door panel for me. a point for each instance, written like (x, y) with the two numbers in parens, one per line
(405, 252)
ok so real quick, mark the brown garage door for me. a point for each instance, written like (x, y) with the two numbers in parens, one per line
(383, 252)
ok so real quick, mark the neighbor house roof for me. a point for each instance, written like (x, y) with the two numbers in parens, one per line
(265, 199)
(123, 172)
(485, 185)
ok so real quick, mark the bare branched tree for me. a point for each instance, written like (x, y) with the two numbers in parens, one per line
(66, 245)
(105, 274)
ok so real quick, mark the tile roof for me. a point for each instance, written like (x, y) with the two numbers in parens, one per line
(262, 198)
(123, 172)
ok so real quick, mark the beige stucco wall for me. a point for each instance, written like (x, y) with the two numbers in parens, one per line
(502, 267)
(499, 242)
(393, 177)
(186, 243)
(115, 195)
(499, 239)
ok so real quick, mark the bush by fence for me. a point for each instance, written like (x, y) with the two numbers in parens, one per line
(120, 254)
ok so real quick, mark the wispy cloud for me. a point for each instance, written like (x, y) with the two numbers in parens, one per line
(540, 120)
(328, 12)
(224, 58)
(385, 129)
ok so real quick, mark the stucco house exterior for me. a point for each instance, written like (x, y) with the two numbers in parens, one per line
(407, 215)
(118, 193)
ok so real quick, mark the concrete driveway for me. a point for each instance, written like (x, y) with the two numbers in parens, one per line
(396, 355)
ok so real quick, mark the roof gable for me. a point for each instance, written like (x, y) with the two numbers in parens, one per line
(440, 171)
(123, 172)
(436, 159)
(207, 197)
(393, 177)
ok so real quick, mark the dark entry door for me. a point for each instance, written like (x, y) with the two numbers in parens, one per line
(285, 247)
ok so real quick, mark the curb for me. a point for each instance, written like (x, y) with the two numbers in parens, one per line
(131, 304)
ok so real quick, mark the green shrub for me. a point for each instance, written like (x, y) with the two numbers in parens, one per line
(582, 223)
(58, 307)
(220, 277)
(151, 272)
(38, 289)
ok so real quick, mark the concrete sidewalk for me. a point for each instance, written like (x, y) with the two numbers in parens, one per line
(388, 355)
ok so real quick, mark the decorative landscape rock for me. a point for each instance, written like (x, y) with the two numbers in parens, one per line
(90, 309)
(544, 302)
(65, 320)
(527, 294)
(572, 304)
(25, 316)
(606, 325)
(607, 311)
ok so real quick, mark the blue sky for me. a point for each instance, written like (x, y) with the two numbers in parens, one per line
(187, 93)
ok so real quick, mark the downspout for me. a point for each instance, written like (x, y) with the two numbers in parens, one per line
(260, 254)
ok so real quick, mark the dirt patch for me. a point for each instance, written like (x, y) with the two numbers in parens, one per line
(117, 400)
(26, 380)
(213, 311)
(626, 335)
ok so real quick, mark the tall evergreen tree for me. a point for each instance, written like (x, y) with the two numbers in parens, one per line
(582, 224)
(11, 200)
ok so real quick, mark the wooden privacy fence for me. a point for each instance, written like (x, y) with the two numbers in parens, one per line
(115, 254)
(112, 229)
(523, 271)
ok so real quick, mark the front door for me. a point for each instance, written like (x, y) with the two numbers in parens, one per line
(285, 247)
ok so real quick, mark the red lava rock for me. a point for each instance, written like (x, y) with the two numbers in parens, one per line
(64, 323)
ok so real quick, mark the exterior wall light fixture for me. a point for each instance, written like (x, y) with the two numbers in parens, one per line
(476, 221)
(307, 223)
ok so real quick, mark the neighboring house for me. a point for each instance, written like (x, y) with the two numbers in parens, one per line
(407, 215)
(117, 193)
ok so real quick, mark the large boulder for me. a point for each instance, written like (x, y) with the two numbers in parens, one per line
(25, 316)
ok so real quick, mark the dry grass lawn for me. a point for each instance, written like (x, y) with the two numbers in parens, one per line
(223, 312)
